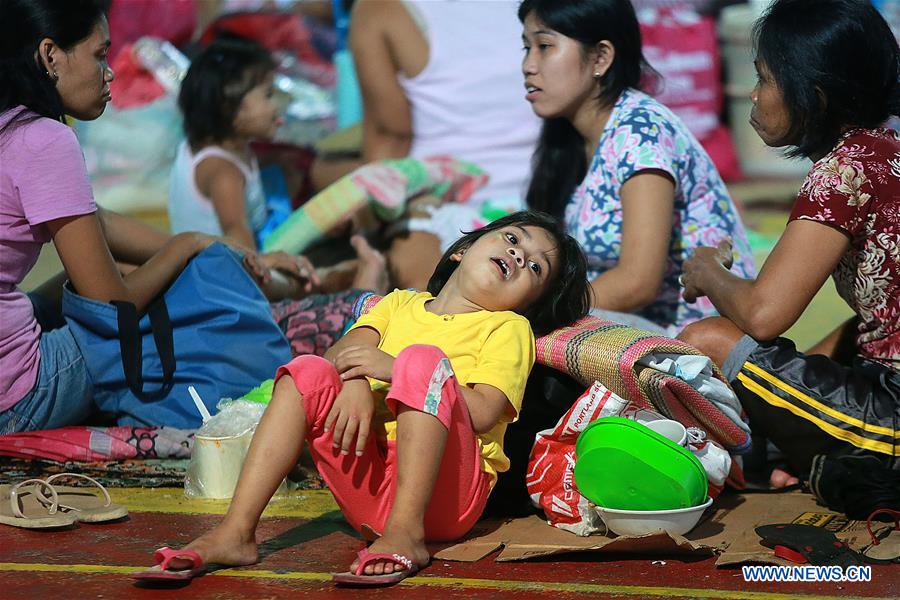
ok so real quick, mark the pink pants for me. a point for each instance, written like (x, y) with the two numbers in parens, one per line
(364, 486)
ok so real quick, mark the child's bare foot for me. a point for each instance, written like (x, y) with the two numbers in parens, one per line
(395, 541)
(781, 479)
(221, 546)
(371, 270)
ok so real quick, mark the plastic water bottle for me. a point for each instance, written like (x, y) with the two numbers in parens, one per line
(167, 64)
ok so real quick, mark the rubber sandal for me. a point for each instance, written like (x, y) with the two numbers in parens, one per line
(23, 507)
(887, 549)
(808, 544)
(359, 578)
(83, 503)
(161, 572)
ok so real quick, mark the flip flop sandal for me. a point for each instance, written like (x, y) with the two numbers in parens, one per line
(890, 551)
(808, 544)
(161, 571)
(82, 503)
(24, 507)
(360, 579)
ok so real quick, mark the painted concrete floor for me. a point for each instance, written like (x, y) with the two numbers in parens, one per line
(304, 540)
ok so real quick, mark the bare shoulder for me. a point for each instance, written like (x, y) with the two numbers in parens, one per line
(215, 170)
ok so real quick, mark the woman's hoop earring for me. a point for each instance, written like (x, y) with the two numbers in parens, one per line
(54, 75)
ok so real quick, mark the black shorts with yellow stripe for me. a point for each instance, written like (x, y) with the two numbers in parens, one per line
(809, 404)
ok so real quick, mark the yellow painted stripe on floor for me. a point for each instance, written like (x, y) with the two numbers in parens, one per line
(87, 569)
(457, 582)
(305, 504)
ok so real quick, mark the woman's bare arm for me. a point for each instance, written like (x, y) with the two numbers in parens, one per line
(129, 240)
(387, 116)
(767, 306)
(648, 201)
(89, 264)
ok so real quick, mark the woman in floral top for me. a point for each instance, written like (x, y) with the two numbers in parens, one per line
(633, 185)
(824, 89)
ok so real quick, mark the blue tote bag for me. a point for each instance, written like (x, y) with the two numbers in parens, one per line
(211, 329)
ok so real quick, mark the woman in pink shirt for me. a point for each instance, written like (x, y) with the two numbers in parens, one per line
(53, 63)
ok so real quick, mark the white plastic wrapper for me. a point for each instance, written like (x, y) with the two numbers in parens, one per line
(234, 417)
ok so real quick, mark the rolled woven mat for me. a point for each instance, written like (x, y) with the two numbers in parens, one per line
(386, 186)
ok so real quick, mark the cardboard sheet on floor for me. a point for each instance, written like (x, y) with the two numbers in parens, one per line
(764, 509)
(727, 528)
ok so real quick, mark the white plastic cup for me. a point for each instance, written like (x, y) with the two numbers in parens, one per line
(216, 463)
(670, 429)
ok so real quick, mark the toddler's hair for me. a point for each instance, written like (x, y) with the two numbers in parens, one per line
(216, 83)
(567, 297)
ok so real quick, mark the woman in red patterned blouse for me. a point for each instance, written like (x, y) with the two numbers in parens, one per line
(828, 77)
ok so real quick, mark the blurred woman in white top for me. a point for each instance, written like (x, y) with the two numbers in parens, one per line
(440, 77)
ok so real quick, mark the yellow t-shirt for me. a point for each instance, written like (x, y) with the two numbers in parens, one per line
(494, 348)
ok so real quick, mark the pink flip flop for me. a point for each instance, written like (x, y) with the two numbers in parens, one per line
(165, 555)
(359, 578)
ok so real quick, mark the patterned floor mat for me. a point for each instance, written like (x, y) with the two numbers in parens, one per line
(148, 473)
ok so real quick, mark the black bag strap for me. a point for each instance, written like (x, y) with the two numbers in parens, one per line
(132, 350)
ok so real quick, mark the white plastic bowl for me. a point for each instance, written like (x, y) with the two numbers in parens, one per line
(643, 522)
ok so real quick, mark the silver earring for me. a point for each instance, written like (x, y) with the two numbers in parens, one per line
(597, 74)
(54, 75)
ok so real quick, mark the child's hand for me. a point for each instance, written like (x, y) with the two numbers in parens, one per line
(257, 270)
(364, 361)
(299, 275)
(297, 266)
(350, 416)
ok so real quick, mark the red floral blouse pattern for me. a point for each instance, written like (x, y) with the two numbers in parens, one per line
(856, 189)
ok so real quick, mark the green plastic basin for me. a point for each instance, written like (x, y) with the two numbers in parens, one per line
(624, 465)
